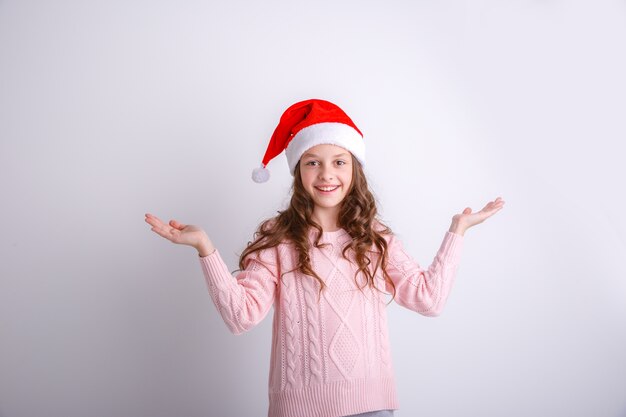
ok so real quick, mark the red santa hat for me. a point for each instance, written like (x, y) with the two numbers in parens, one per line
(306, 124)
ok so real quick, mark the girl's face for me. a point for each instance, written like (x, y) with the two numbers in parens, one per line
(326, 173)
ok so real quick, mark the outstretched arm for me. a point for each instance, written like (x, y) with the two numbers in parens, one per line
(426, 290)
(242, 300)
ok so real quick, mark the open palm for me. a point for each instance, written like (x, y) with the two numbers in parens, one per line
(469, 219)
(176, 232)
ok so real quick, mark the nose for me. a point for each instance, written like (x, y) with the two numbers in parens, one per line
(326, 173)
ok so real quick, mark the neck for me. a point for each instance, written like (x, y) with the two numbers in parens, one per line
(327, 218)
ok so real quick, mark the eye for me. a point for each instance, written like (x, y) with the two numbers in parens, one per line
(341, 162)
(311, 163)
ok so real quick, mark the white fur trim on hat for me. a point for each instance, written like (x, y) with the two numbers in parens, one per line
(327, 133)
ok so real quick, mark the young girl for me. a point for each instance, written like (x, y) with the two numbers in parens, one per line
(326, 264)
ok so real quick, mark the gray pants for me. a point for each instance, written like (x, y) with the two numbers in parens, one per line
(379, 413)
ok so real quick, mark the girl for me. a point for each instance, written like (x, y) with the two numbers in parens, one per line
(325, 264)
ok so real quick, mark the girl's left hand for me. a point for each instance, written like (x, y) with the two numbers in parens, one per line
(463, 221)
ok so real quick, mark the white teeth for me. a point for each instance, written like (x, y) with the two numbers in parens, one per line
(327, 188)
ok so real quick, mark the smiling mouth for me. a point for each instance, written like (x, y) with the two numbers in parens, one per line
(329, 189)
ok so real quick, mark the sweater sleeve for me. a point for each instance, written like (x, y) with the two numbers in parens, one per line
(243, 300)
(424, 291)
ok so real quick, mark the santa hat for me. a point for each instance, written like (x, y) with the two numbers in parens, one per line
(306, 124)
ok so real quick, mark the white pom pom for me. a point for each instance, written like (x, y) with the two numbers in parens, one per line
(260, 174)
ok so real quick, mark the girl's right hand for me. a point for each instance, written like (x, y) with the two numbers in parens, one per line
(183, 234)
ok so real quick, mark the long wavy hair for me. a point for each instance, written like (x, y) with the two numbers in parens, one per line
(357, 216)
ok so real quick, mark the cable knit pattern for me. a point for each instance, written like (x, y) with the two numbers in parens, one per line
(383, 346)
(329, 358)
(311, 289)
(291, 354)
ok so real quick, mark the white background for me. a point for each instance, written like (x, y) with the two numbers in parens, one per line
(109, 110)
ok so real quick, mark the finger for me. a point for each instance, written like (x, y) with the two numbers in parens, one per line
(177, 225)
(157, 224)
(160, 227)
(160, 231)
(164, 231)
(492, 211)
(154, 221)
(153, 217)
(151, 221)
(491, 208)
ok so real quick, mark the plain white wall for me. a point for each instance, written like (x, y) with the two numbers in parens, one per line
(112, 109)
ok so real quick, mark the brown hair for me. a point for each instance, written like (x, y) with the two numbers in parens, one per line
(357, 215)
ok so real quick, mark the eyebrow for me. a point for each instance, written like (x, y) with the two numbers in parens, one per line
(317, 156)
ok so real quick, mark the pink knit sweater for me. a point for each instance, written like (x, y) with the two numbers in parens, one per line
(329, 358)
